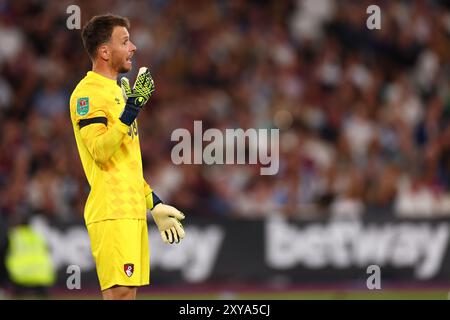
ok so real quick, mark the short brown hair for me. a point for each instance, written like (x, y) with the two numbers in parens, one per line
(98, 30)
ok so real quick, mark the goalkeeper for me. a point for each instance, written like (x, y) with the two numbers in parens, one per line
(104, 121)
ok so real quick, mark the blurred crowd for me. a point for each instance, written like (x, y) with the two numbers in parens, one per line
(363, 114)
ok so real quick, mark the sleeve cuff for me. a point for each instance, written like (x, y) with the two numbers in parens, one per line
(152, 200)
(122, 127)
(147, 189)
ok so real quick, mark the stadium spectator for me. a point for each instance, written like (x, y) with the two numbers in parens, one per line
(361, 111)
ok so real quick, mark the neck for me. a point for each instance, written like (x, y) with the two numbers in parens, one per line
(104, 70)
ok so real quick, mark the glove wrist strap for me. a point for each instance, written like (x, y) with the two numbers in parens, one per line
(156, 200)
(129, 114)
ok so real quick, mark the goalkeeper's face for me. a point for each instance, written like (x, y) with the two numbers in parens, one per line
(122, 50)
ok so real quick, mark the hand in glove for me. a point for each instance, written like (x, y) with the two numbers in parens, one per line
(167, 218)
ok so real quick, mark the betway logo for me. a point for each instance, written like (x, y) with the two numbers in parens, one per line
(352, 244)
(194, 257)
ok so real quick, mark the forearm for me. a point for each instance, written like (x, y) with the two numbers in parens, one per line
(102, 142)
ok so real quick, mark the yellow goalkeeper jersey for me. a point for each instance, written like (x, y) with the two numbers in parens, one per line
(109, 150)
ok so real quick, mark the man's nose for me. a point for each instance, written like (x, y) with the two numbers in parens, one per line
(133, 47)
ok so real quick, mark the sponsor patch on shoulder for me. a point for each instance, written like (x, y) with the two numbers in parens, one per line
(83, 106)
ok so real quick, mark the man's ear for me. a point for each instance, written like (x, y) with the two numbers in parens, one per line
(104, 52)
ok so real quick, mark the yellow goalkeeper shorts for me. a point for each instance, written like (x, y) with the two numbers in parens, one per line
(121, 252)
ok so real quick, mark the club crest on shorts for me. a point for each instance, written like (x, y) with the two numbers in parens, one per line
(129, 269)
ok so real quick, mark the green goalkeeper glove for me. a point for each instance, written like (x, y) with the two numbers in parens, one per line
(136, 97)
(167, 218)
